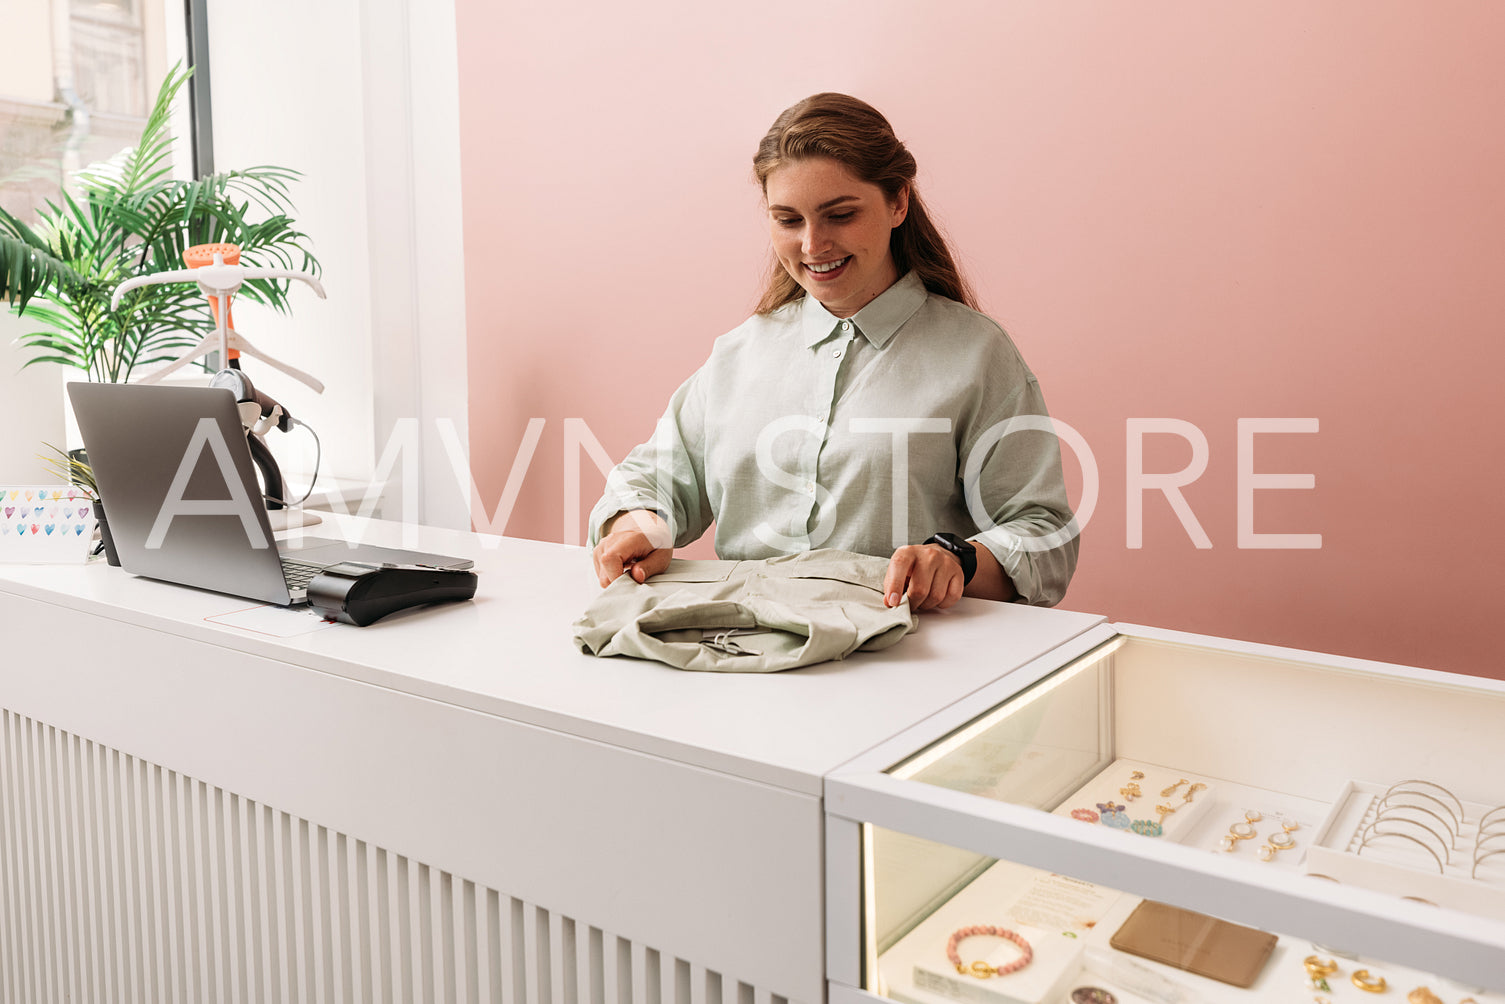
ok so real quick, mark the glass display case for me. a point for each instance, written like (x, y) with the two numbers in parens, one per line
(1149, 816)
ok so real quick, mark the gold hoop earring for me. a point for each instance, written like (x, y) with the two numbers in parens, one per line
(1367, 983)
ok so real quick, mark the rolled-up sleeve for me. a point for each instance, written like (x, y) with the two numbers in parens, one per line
(1016, 494)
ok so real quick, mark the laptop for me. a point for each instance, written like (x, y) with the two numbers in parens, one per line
(175, 475)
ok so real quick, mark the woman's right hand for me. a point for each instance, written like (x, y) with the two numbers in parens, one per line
(635, 542)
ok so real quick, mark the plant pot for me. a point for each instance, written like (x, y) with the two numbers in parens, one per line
(104, 533)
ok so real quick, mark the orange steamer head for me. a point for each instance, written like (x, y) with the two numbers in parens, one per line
(203, 254)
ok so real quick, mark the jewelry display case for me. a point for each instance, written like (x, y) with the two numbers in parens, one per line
(1150, 816)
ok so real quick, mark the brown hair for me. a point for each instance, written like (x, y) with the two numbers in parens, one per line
(856, 135)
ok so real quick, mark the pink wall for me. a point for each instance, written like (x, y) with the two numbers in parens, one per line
(1201, 212)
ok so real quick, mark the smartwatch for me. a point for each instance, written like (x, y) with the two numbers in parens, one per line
(963, 550)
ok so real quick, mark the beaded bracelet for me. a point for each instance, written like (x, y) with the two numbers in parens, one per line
(981, 969)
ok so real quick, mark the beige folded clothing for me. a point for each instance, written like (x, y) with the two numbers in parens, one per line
(748, 616)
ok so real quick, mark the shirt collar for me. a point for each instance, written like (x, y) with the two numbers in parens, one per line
(878, 321)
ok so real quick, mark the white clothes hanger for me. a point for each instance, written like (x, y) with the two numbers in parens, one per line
(233, 340)
(221, 281)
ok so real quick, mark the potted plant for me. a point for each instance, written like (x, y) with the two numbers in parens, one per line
(130, 217)
(73, 467)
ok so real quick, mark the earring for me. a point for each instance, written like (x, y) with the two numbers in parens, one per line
(1131, 791)
(1138, 775)
(1192, 791)
(1164, 810)
(1276, 842)
(1253, 816)
(1165, 792)
(1317, 972)
(1372, 984)
(1237, 832)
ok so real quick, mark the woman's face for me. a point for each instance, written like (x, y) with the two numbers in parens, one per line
(830, 231)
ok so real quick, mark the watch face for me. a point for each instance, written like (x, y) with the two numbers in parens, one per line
(954, 543)
(964, 550)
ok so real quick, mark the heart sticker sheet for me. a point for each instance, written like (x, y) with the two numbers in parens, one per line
(45, 524)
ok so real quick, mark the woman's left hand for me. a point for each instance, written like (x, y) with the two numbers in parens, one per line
(930, 574)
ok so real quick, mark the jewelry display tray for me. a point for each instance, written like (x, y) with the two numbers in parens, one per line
(915, 970)
(1072, 949)
(1107, 787)
(1221, 805)
(1402, 867)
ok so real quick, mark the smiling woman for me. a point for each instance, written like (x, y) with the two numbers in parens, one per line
(838, 131)
(866, 406)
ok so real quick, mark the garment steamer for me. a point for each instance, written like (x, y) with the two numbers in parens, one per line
(217, 271)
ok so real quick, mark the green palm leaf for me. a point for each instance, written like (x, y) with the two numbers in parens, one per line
(27, 270)
(129, 217)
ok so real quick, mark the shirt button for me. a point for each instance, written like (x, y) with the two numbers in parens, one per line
(809, 488)
(835, 353)
(846, 325)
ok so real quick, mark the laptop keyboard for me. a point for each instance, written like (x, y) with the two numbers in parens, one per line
(298, 573)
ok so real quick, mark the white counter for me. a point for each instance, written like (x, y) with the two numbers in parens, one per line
(561, 821)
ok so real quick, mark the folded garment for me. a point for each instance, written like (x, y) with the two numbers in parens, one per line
(748, 616)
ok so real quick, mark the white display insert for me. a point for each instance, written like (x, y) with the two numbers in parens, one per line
(1409, 866)
(1054, 913)
(1131, 796)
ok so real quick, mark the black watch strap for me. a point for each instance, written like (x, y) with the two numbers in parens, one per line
(964, 550)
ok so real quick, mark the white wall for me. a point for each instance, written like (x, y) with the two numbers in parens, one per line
(361, 98)
(31, 407)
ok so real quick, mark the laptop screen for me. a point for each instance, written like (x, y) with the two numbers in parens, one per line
(178, 488)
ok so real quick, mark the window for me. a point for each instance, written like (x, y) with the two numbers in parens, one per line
(77, 92)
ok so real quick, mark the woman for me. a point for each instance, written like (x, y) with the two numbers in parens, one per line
(866, 406)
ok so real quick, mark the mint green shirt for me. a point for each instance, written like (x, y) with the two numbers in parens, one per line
(804, 430)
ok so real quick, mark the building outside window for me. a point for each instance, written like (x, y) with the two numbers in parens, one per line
(75, 87)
